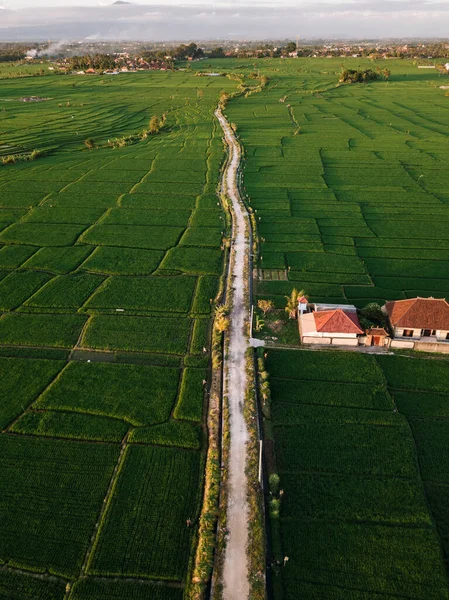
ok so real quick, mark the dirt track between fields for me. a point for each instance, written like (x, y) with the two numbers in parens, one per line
(235, 568)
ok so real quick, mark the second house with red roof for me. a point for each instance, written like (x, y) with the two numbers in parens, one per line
(419, 319)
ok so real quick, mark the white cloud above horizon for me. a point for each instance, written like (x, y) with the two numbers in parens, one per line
(202, 19)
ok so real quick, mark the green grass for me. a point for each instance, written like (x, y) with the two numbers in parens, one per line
(70, 219)
(202, 236)
(172, 433)
(41, 330)
(132, 236)
(205, 261)
(22, 381)
(329, 448)
(324, 366)
(101, 589)
(431, 437)
(337, 497)
(12, 257)
(58, 260)
(382, 559)
(363, 472)
(66, 291)
(164, 484)
(200, 337)
(359, 167)
(18, 286)
(422, 404)
(104, 389)
(350, 395)
(113, 260)
(70, 425)
(164, 294)
(42, 234)
(205, 293)
(141, 334)
(52, 492)
(429, 375)
(160, 218)
(29, 587)
(190, 402)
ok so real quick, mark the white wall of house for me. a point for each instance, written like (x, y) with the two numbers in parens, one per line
(417, 333)
(322, 334)
(442, 335)
(345, 342)
(402, 344)
(314, 340)
(399, 332)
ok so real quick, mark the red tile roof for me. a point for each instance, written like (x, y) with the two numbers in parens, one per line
(302, 300)
(337, 321)
(419, 313)
(377, 331)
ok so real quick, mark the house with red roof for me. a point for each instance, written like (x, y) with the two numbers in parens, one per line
(330, 324)
(419, 319)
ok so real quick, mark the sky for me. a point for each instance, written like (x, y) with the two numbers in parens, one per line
(12, 4)
(223, 19)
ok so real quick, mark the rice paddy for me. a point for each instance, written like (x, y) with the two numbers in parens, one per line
(110, 260)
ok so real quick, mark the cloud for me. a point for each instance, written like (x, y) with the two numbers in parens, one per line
(233, 19)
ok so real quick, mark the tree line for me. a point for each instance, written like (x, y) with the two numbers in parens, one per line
(99, 62)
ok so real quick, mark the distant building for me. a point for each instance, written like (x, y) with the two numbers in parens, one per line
(423, 319)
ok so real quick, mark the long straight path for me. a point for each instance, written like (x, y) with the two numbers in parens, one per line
(235, 569)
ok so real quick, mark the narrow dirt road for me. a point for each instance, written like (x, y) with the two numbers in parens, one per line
(235, 569)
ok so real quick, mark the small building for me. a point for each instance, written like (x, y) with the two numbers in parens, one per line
(377, 336)
(419, 319)
(330, 324)
(302, 304)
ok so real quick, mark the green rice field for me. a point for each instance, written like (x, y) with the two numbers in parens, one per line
(349, 182)
(110, 259)
(348, 187)
(362, 462)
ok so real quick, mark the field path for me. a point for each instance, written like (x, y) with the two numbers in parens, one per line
(235, 568)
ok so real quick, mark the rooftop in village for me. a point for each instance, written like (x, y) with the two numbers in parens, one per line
(419, 313)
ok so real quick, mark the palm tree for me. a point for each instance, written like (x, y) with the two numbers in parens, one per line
(292, 303)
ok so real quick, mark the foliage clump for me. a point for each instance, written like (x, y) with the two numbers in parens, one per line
(361, 76)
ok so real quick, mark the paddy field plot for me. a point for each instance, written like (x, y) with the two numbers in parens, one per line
(110, 260)
(348, 181)
(361, 466)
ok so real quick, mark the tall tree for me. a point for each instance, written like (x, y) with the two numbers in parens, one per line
(292, 303)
